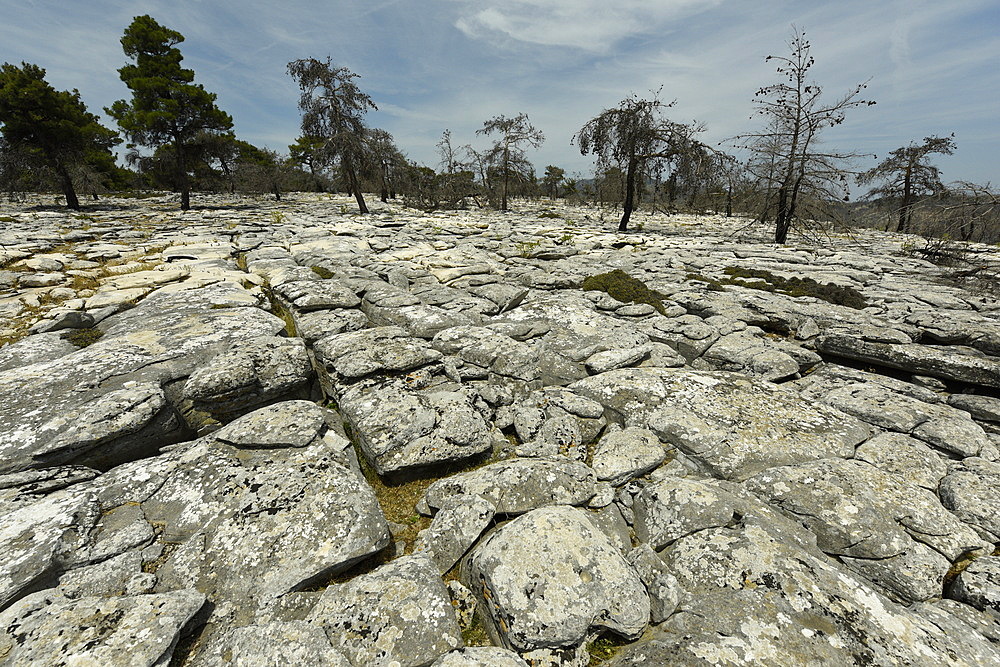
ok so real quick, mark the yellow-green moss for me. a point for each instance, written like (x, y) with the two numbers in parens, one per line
(624, 288)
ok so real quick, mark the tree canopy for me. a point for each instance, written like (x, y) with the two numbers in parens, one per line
(507, 152)
(167, 108)
(636, 138)
(907, 174)
(795, 114)
(333, 109)
(51, 127)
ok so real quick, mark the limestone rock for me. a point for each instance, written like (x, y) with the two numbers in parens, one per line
(518, 485)
(399, 613)
(732, 425)
(549, 577)
(141, 630)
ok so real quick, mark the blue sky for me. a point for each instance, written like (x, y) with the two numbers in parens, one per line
(436, 64)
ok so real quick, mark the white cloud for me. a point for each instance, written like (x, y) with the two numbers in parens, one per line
(591, 25)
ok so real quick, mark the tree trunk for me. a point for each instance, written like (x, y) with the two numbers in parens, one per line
(907, 203)
(782, 220)
(352, 183)
(729, 202)
(506, 176)
(67, 187)
(186, 198)
(633, 165)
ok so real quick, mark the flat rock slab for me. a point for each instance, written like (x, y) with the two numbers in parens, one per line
(399, 428)
(550, 576)
(248, 374)
(755, 596)
(733, 425)
(972, 491)
(398, 614)
(140, 631)
(163, 339)
(519, 485)
(936, 361)
(275, 645)
(860, 512)
(353, 355)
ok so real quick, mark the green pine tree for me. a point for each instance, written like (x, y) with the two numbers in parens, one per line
(166, 109)
(51, 127)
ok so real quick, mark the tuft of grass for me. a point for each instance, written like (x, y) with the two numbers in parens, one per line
(82, 337)
(624, 288)
(322, 272)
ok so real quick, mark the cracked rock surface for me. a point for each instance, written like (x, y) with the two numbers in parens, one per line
(229, 436)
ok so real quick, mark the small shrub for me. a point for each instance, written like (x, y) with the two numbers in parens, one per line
(82, 337)
(625, 288)
(550, 214)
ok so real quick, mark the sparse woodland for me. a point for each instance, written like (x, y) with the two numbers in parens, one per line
(781, 172)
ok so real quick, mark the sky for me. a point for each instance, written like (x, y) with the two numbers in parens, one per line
(431, 65)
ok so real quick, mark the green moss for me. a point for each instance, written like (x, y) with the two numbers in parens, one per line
(794, 286)
(624, 288)
(82, 337)
(476, 634)
(604, 648)
(549, 214)
(323, 273)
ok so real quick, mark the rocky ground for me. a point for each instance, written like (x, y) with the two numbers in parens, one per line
(264, 433)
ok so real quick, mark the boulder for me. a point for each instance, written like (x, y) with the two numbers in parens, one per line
(732, 425)
(399, 613)
(549, 577)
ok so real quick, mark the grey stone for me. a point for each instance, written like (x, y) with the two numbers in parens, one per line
(906, 457)
(286, 424)
(674, 507)
(621, 455)
(309, 295)
(459, 522)
(399, 613)
(935, 361)
(249, 374)
(664, 590)
(119, 426)
(986, 408)
(275, 645)
(516, 486)
(40, 539)
(400, 429)
(314, 325)
(972, 491)
(733, 425)
(979, 584)
(549, 577)
(34, 349)
(141, 630)
(480, 656)
(70, 319)
(353, 355)
(755, 596)
(860, 512)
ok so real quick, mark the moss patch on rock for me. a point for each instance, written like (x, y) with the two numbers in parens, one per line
(794, 286)
(82, 337)
(623, 287)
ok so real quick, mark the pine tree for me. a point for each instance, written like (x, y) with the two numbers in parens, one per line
(167, 108)
(50, 127)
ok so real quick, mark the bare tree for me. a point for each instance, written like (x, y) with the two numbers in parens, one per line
(386, 160)
(507, 153)
(333, 109)
(796, 115)
(908, 174)
(636, 138)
